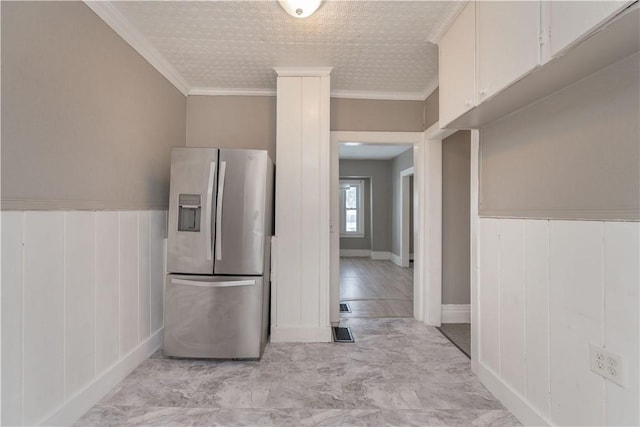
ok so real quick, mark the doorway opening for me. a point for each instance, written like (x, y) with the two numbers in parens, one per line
(376, 278)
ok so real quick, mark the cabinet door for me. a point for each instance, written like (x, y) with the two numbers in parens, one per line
(569, 20)
(457, 66)
(508, 43)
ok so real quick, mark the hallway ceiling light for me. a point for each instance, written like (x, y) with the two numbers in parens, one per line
(300, 8)
(352, 143)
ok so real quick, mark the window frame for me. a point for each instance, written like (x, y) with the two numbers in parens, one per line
(359, 183)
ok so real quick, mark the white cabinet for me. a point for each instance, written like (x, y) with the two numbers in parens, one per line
(457, 66)
(569, 20)
(508, 43)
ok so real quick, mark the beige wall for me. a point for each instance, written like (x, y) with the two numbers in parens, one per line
(456, 183)
(87, 123)
(376, 116)
(232, 122)
(573, 155)
(432, 109)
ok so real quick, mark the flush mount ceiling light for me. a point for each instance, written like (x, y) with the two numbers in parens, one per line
(300, 8)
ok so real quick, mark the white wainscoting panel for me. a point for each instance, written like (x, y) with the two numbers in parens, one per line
(143, 277)
(537, 313)
(157, 234)
(578, 286)
(622, 321)
(129, 319)
(107, 289)
(43, 315)
(489, 294)
(80, 300)
(12, 260)
(512, 309)
(61, 302)
(576, 318)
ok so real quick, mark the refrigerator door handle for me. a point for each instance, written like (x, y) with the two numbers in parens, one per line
(223, 169)
(213, 284)
(212, 170)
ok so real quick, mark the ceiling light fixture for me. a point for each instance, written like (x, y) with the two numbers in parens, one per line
(300, 8)
(352, 143)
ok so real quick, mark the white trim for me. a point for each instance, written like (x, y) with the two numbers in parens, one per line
(383, 96)
(397, 260)
(474, 253)
(355, 253)
(431, 88)
(303, 71)
(510, 398)
(130, 34)
(405, 215)
(437, 33)
(297, 334)
(359, 183)
(456, 313)
(348, 94)
(381, 255)
(83, 400)
(215, 91)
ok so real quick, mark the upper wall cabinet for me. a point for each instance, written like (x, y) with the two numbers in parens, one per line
(508, 43)
(457, 65)
(498, 56)
(567, 21)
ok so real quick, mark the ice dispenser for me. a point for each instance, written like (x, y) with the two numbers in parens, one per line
(189, 208)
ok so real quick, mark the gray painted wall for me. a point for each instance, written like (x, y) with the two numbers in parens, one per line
(87, 123)
(398, 164)
(380, 173)
(456, 180)
(232, 122)
(572, 155)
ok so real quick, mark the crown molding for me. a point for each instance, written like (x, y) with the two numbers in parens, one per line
(214, 91)
(130, 34)
(385, 96)
(431, 87)
(303, 71)
(437, 33)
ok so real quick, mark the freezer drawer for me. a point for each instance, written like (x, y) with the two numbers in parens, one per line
(214, 317)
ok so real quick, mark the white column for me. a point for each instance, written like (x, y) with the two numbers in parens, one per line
(300, 291)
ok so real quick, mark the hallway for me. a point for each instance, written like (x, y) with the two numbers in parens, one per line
(398, 372)
(376, 288)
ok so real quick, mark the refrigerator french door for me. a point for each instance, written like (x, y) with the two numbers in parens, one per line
(220, 224)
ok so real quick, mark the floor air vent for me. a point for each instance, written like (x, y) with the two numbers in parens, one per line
(344, 308)
(341, 334)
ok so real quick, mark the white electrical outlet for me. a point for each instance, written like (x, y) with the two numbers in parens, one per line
(607, 364)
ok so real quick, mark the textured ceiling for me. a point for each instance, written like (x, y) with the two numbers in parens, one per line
(373, 46)
(372, 151)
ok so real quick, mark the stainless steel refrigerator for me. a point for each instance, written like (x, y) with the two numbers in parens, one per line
(218, 253)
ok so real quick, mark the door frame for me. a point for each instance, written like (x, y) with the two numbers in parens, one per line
(405, 216)
(427, 163)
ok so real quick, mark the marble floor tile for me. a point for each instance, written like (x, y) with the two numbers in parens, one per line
(398, 372)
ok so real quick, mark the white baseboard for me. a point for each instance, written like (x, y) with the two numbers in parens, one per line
(456, 313)
(83, 400)
(293, 334)
(355, 252)
(513, 401)
(381, 255)
(396, 260)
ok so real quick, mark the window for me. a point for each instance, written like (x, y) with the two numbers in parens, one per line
(351, 208)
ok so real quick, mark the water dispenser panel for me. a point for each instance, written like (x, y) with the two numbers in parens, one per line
(189, 209)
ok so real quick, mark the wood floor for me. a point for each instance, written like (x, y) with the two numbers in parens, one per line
(376, 288)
